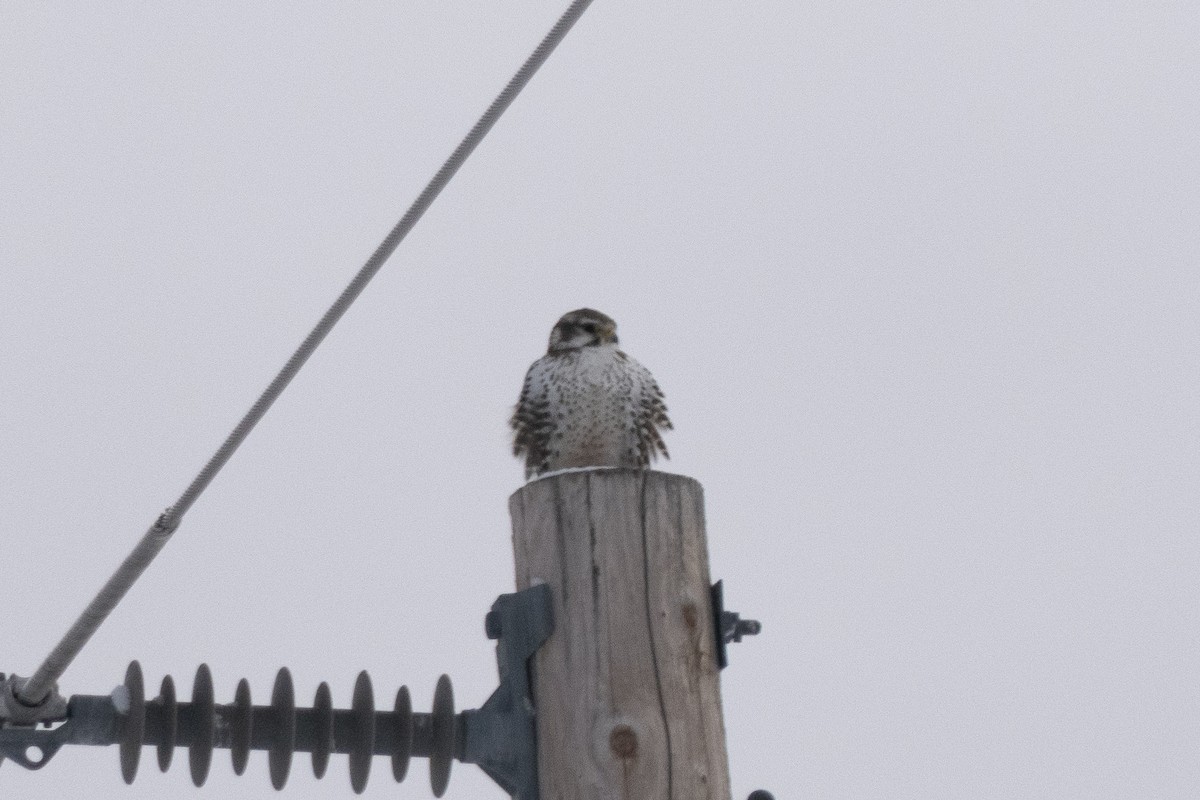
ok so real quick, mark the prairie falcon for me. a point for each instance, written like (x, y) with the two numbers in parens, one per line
(587, 404)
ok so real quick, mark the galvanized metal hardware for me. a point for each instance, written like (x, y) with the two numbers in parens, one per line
(15, 711)
(729, 625)
(499, 737)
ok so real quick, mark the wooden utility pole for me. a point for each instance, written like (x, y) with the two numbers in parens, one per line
(626, 688)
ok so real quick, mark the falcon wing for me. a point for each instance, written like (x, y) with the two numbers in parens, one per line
(531, 421)
(650, 415)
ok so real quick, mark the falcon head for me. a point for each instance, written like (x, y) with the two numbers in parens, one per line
(583, 327)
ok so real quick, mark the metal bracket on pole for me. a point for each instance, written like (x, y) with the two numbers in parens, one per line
(729, 625)
(89, 720)
(500, 737)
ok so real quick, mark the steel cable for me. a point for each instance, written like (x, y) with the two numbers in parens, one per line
(37, 687)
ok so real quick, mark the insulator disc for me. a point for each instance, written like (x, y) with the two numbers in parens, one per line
(323, 734)
(241, 725)
(170, 722)
(203, 725)
(402, 747)
(362, 743)
(442, 756)
(283, 703)
(135, 722)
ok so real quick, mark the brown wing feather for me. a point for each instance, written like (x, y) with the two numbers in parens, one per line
(531, 422)
(650, 416)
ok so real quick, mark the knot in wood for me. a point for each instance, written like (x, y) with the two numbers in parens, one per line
(623, 742)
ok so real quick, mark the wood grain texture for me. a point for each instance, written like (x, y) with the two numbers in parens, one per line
(627, 690)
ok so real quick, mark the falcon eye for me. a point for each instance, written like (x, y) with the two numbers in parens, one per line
(590, 327)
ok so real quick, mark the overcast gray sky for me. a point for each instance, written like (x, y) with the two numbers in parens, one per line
(919, 280)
